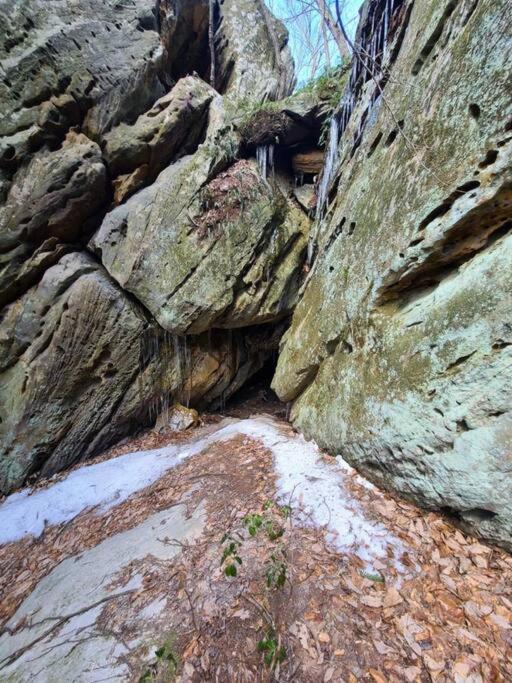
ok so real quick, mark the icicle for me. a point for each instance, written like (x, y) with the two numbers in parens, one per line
(261, 157)
(265, 159)
(328, 171)
(271, 151)
(211, 40)
(188, 370)
(386, 20)
(288, 410)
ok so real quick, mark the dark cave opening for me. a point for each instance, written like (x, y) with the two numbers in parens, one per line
(256, 395)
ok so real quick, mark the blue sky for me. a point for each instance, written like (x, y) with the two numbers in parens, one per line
(308, 63)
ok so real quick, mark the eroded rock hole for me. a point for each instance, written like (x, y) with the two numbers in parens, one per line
(490, 158)
(375, 144)
(474, 110)
(9, 153)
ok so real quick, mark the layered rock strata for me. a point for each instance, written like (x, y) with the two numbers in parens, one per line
(143, 261)
(400, 351)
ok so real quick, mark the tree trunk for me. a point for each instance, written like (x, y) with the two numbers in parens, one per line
(333, 27)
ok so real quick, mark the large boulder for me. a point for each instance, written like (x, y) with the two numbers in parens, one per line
(400, 351)
(82, 365)
(172, 128)
(202, 249)
(254, 63)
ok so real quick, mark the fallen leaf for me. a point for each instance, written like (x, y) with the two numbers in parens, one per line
(329, 674)
(242, 614)
(412, 673)
(392, 598)
(372, 600)
(432, 664)
(500, 621)
(382, 648)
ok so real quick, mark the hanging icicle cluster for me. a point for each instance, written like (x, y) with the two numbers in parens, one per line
(169, 351)
(211, 40)
(329, 166)
(369, 52)
(265, 159)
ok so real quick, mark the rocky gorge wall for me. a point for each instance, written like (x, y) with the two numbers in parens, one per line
(399, 356)
(154, 241)
(143, 261)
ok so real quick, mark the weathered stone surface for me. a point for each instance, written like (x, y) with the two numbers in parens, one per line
(94, 63)
(69, 351)
(252, 59)
(81, 366)
(57, 617)
(180, 418)
(399, 355)
(51, 197)
(200, 249)
(254, 63)
(172, 128)
(54, 194)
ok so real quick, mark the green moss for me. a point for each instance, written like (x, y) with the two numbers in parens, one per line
(329, 86)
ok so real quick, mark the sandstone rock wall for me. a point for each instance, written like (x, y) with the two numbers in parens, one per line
(133, 238)
(400, 351)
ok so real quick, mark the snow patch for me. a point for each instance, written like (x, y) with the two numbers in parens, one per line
(319, 490)
(102, 486)
(324, 498)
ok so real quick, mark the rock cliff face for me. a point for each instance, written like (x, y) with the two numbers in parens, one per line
(153, 242)
(400, 351)
(134, 238)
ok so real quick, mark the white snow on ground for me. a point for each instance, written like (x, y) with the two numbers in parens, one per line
(318, 489)
(321, 493)
(102, 485)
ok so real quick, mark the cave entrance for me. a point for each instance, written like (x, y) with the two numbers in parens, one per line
(256, 395)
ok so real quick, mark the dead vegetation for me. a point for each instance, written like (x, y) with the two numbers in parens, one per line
(224, 198)
(330, 619)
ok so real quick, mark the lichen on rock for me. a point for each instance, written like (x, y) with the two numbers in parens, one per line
(108, 132)
(399, 351)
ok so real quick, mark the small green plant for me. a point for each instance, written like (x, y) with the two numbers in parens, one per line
(273, 532)
(230, 556)
(253, 523)
(329, 85)
(273, 653)
(285, 511)
(165, 668)
(269, 522)
(275, 569)
(378, 578)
